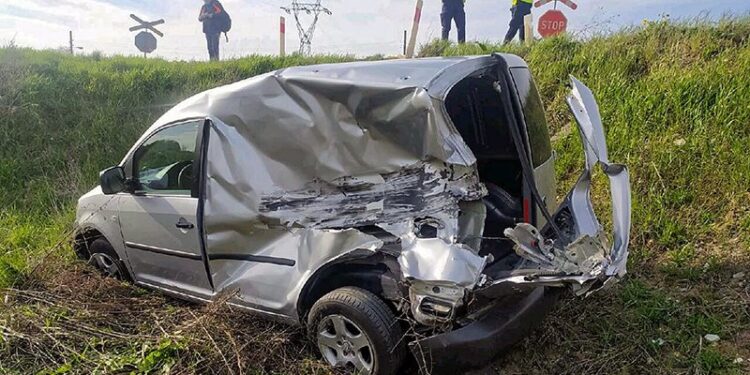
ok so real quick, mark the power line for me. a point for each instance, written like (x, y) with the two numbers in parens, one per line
(306, 34)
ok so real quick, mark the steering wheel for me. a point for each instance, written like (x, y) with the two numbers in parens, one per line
(185, 177)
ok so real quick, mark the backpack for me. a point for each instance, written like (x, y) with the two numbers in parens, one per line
(224, 20)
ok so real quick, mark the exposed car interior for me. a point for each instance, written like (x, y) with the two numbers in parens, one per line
(477, 113)
(164, 163)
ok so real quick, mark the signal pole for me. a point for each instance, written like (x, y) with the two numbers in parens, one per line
(71, 41)
(306, 35)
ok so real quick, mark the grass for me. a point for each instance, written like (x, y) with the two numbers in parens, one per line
(674, 99)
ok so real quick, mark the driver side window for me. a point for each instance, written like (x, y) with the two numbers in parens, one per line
(164, 163)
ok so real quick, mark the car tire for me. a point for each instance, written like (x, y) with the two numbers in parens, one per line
(105, 259)
(355, 330)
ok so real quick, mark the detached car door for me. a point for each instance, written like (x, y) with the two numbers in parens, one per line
(159, 218)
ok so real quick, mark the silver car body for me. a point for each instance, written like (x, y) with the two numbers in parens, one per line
(315, 166)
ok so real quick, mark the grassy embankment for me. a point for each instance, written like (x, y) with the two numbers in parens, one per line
(674, 99)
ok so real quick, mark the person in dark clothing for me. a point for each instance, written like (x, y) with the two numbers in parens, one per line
(211, 27)
(519, 10)
(453, 10)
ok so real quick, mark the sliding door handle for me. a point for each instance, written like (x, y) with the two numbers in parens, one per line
(184, 224)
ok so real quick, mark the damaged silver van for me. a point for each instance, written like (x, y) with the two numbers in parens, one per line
(388, 207)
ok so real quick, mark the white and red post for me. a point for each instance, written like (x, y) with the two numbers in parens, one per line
(414, 30)
(282, 36)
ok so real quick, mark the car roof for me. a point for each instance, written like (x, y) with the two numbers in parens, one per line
(271, 92)
(436, 74)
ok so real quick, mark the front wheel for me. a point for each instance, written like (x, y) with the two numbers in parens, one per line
(355, 330)
(105, 259)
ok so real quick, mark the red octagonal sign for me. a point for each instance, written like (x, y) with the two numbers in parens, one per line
(552, 23)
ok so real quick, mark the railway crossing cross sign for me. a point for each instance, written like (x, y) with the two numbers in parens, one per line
(145, 41)
(553, 22)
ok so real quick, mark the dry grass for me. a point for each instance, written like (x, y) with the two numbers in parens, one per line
(74, 321)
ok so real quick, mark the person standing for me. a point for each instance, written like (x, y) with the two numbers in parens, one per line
(453, 10)
(518, 10)
(210, 17)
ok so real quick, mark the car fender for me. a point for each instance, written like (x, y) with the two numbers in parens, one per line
(98, 212)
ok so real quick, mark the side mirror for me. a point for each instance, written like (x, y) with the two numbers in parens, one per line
(112, 180)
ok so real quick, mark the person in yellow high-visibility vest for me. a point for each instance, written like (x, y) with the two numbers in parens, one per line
(519, 10)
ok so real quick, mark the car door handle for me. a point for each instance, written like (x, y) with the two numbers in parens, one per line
(184, 224)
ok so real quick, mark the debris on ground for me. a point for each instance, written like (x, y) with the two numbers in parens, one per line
(658, 342)
(711, 338)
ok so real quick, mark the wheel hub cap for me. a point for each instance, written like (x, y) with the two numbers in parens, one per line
(344, 344)
(106, 265)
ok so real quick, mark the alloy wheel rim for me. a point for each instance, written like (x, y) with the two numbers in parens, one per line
(105, 264)
(344, 344)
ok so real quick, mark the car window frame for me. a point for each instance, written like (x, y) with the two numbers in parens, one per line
(130, 165)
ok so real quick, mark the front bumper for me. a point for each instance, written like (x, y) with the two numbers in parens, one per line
(478, 343)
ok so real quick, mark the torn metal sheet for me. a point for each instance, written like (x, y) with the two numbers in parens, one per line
(440, 271)
(440, 275)
(582, 257)
(435, 260)
(421, 190)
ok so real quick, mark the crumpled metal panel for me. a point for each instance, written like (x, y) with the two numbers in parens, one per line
(275, 288)
(586, 111)
(582, 257)
(424, 189)
(434, 260)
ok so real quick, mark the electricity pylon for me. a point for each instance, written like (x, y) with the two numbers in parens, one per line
(306, 34)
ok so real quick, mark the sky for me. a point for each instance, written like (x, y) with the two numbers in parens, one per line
(359, 27)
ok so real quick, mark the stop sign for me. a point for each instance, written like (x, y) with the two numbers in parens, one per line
(552, 23)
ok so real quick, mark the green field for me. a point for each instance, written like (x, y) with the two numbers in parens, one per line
(675, 98)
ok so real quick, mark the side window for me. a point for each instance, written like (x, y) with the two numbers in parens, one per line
(533, 112)
(164, 163)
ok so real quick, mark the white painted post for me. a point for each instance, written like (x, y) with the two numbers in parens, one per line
(282, 37)
(528, 26)
(414, 30)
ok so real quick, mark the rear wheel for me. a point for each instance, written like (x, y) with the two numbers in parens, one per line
(355, 330)
(105, 259)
